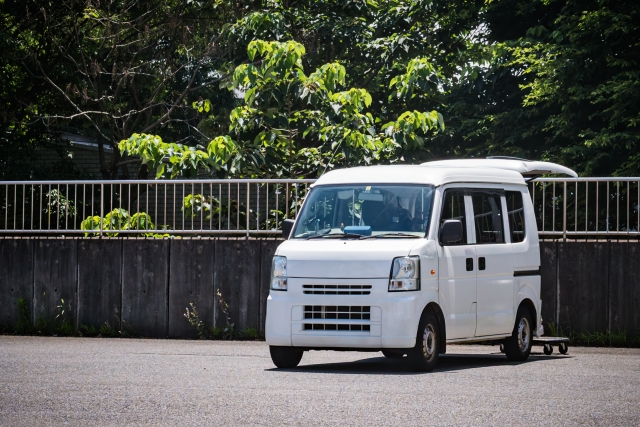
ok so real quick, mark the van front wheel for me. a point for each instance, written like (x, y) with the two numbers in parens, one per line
(424, 355)
(285, 357)
(518, 346)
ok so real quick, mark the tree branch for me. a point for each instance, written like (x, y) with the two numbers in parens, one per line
(78, 109)
(178, 101)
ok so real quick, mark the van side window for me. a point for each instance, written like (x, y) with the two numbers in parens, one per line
(487, 213)
(453, 208)
(516, 215)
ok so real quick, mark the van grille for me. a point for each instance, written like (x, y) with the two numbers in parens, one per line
(354, 312)
(337, 289)
(334, 327)
(338, 312)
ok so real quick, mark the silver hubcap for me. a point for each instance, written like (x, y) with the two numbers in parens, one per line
(429, 342)
(524, 334)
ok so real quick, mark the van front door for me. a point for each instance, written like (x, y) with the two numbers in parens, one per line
(495, 264)
(457, 270)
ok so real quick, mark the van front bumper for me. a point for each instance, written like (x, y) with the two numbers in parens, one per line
(380, 319)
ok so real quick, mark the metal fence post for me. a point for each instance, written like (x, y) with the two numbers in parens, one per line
(564, 212)
(247, 209)
(101, 207)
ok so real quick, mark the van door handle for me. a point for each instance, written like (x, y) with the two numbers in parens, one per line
(469, 264)
(482, 263)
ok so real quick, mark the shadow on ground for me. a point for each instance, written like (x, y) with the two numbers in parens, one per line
(451, 363)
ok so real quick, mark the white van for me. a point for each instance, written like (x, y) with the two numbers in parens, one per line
(406, 259)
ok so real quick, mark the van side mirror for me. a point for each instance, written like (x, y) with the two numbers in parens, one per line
(451, 232)
(287, 226)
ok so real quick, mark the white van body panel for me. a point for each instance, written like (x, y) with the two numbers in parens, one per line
(528, 288)
(342, 259)
(332, 263)
(475, 305)
(526, 254)
(457, 290)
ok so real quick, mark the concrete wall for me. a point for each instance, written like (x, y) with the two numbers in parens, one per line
(591, 286)
(146, 284)
(141, 284)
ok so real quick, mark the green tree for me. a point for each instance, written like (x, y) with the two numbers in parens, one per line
(123, 66)
(376, 42)
(112, 69)
(551, 79)
(22, 99)
(293, 124)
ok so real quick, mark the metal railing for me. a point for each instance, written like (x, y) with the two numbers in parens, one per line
(582, 207)
(148, 208)
(587, 207)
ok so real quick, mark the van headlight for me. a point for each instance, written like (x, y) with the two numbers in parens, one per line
(405, 274)
(279, 273)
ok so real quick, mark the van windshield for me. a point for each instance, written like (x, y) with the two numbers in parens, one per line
(369, 211)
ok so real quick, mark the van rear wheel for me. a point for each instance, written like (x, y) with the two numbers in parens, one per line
(285, 357)
(518, 346)
(424, 356)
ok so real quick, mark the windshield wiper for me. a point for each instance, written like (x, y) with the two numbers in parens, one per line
(392, 235)
(309, 234)
(348, 235)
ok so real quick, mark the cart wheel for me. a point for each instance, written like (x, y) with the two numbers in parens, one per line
(501, 348)
(563, 348)
(548, 349)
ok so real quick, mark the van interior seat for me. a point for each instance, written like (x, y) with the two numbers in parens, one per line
(374, 215)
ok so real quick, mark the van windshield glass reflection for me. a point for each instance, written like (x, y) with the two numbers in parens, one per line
(366, 210)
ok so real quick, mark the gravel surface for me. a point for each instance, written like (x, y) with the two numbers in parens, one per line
(94, 381)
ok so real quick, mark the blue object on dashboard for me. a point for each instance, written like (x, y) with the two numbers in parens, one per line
(364, 230)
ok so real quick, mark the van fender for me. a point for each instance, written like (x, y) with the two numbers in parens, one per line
(432, 306)
(528, 295)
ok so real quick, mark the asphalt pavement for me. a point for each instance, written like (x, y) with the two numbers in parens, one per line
(96, 382)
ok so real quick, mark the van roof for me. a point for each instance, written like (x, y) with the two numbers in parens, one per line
(403, 174)
(494, 171)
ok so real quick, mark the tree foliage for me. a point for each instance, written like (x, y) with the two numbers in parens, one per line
(119, 67)
(294, 88)
(554, 79)
(290, 124)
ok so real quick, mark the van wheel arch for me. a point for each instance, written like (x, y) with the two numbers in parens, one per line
(434, 309)
(531, 307)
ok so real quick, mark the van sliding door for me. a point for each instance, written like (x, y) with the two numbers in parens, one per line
(495, 280)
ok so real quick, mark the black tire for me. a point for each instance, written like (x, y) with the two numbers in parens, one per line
(518, 346)
(285, 357)
(424, 356)
(563, 348)
(392, 354)
(548, 349)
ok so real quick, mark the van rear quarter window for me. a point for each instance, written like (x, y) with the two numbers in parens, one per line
(516, 215)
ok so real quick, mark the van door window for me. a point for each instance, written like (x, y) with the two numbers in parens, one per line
(487, 217)
(516, 215)
(453, 208)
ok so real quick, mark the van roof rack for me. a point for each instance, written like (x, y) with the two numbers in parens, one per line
(507, 158)
(527, 168)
